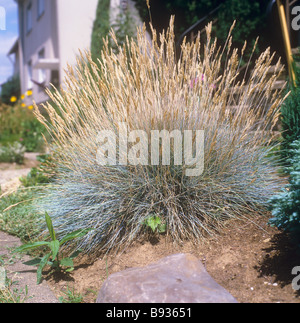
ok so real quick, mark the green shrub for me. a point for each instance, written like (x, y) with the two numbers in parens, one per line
(286, 206)
(290, 120)
(18, 216)
(10, 88)
(250, 15)
(43, 174)
(147, 88)
(34, 178)
(31, 135)
(13, 153)
(123, 27)
(18, 124)
(101, 27)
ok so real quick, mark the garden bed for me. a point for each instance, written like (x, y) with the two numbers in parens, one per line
(251, 260)
(237, 176)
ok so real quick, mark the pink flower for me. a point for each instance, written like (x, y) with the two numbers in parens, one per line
(196, 80)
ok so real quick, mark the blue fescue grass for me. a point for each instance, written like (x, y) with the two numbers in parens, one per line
(148, 89)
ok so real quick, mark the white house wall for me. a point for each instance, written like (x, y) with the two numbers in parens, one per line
(43, 35)
(75, 25)
(64, 28)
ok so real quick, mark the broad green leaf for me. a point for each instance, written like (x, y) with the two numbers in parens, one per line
(54, 246)
(41, 266)
(50, 226)
(33, 262)
(67, 262)
(29, 246)
(75, 234)
(153, 222)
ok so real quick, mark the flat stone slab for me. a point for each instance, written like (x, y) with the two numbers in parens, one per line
(179, 278)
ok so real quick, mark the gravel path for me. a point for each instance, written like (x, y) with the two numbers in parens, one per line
(7, 176)
(10, 173)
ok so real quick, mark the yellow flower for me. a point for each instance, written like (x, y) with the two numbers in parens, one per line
(22, 97)
(13, 99)
(29, 93)
(23, 105)
(30, 107)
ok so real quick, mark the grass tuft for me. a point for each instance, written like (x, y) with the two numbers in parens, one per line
(145, 86)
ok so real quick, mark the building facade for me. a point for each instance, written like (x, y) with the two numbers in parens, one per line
(51, 32)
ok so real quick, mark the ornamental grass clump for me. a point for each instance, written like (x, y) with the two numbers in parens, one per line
(144, 87)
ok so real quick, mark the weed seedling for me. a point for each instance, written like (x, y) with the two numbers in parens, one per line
(52, 258)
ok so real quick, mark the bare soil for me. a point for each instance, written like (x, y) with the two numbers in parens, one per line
(250, 259)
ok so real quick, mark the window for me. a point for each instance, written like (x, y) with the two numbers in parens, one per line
(29, 76)
(42, 73)
(41, 8)
(29, 18)
(55, 78)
